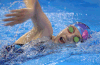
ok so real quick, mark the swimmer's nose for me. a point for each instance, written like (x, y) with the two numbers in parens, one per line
(69, 39)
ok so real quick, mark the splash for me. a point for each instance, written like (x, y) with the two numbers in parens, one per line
(54, 52)
(50, 53)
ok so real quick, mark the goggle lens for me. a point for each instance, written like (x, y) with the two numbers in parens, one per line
(71, 30)
(76, 39)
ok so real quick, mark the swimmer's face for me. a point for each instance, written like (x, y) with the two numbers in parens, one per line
(66, 37)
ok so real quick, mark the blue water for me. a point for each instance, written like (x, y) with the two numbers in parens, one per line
(61, 13)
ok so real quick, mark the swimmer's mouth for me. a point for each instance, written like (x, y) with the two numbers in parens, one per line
(62, 40)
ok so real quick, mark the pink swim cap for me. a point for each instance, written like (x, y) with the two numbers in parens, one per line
(85, 35)
(83, 29)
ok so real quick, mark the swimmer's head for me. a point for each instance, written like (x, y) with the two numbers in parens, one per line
(74, 33)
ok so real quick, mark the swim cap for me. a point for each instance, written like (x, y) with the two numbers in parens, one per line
(83, 29)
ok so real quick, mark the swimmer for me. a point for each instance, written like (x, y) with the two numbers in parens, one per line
(77, 32)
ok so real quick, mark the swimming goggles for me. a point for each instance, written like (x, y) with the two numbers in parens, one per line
(75, 38)
(83, 29)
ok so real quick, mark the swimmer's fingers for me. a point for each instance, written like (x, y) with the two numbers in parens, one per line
(29, 12)
(14, 14)
(13, 23)
(21, 10)
(18, 10)
(19, 17)
(9, 19)
(10, 24)
(13, 19)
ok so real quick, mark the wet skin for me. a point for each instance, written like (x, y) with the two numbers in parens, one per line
(66, 36)
(42, 26)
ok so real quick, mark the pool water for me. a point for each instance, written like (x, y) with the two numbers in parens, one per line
(61, 13)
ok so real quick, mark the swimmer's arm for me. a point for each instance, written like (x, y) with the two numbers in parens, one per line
(39, 20)
(41, 23)
(32, 11)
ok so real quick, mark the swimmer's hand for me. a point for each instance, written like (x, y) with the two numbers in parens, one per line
(19, 16)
